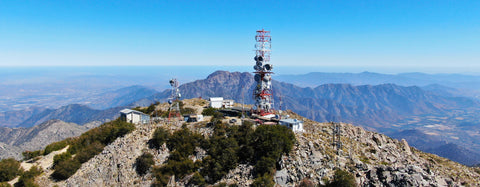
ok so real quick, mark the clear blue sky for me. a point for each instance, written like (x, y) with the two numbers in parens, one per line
(309, 33)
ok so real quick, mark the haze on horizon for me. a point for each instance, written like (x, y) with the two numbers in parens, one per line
(426, 36)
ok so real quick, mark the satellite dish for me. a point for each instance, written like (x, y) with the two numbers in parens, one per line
(257, 77)
(258, 68)
(260, 58)
(259, 63)
(268, 67)
(170, 102)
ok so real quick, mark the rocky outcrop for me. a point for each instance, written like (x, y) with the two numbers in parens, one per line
(115, 165)
(375, 159)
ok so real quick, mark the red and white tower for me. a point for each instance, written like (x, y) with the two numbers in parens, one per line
(263, 70)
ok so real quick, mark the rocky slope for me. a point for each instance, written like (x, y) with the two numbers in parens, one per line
(18, 140)
(375, 159)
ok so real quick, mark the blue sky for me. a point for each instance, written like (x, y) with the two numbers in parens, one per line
(423, 34)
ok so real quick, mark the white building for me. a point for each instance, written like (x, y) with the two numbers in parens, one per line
(294, 124)
(216, 102)
(133, 116)
(227, 103)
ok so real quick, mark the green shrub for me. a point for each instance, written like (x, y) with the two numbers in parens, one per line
(89, 152)
(65, 169)
(60, 158)
(228, 146)
(209, 111)
(27, 155)
(264, 181)
(265, 165)
(197, 180)
(144, 163)
(188, 110)
(342, 178)
(159, 137)
(5, 184)
(9, 169)
(55, 146)
(28, 178)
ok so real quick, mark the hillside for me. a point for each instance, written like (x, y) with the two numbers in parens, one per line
(18, 140)
(373, 159)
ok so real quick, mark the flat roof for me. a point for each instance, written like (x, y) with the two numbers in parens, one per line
(128, 111)
(290, 120)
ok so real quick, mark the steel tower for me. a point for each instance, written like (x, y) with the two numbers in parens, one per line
(263, 70)
(173, 100)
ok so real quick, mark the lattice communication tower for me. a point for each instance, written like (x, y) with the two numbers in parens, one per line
(263, 70)
(174, 100)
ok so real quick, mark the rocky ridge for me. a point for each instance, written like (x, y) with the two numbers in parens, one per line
(373, 158)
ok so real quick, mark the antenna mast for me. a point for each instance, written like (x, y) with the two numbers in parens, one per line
(174, 99)
(263, 70)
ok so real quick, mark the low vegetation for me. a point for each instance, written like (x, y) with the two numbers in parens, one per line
(28, 178)
(86, 146)
(144, 163)
(9, 169)
(160, 136)
(342, 178)
(226, 148)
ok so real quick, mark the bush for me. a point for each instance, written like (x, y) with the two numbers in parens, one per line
(27, 155)
(56, 146)
(197, 180)
(209, 111)
(28, 178)
(188, 110)
(60, 158)
(159, 137)
(144, 163)
(263, 181)
(228, 146)
(342, 178)
(9, 169)
(5, 184)
(65, 169)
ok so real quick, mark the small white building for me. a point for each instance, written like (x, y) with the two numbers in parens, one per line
(216, 102)
(294, 124)
(133, 116)
(227, 103)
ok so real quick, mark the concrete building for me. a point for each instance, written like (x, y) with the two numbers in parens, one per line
(135, 117)
(227, 103)
(216, 102)
(294, 124)
(219, 102)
